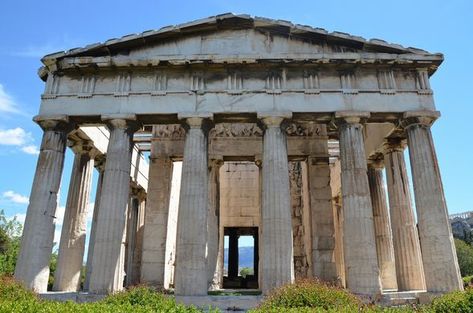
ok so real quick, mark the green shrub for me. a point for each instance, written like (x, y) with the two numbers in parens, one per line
(14, 298)
(457, 301)
(309, 296)
(465, 257)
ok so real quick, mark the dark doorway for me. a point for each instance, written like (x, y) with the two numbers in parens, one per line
(241, 258)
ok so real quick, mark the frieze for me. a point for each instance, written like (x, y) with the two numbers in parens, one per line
(236, 130)
(302, 129)
(170, 131)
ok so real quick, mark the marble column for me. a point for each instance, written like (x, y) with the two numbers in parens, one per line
(108, 257)
(439, 257)
(323, 225)
(153, 261)
(409, 269)
(382, 225)
(213, 225)
(276, 220)
(100, 166)
(32, 268)
(361, 263)
(74, 227)
(191, 263)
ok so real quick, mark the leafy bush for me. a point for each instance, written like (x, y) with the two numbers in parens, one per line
(309, 296)
(10, 232)
(465, 257)
(457, 301)
(14, 298)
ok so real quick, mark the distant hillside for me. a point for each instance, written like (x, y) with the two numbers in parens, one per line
(245, 257)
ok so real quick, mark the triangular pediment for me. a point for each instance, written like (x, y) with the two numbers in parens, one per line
(229, 35)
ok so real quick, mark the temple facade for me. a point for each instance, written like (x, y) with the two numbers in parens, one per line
(284, 134)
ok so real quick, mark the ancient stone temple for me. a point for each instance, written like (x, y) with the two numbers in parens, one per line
(287, 135)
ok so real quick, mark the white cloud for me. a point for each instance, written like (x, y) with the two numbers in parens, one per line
(15, 197)
(60, 215)
(31, 149)
(20, 138)
(20, 217)
(7, 105)
(14, 137)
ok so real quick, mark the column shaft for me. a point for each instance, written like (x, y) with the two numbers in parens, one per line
(32, 268)
(108, 258)
(323, 226)
(362, 272)
(382, 227)
(213, 226)
(278, 262)
(72, 244)
(439, 257)
(93, 229)
(409, 269)
(191, 262)
(153, 262)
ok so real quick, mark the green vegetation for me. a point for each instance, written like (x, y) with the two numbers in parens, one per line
(246, 271)
(465, 257)
(10, 235)
(14, 298)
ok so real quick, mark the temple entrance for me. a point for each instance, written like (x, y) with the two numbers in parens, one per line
(240, 258)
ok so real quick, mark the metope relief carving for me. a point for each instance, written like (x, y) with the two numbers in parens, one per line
(302, 129)
(236, 130)
(123, 85)
(311, 82)
(169, 131)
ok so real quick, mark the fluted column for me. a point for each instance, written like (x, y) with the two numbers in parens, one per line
(382, 226)
(100, 166)
(153, 261)
(32, 268)
(362, 272)
(278, 262)
(191, 263)
(323, 225)
(108, 257)
(74, 227)
(439, 257)
(213, 260)
(409, 269)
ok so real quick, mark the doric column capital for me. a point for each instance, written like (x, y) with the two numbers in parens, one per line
(394, 145)
(215, 162)
(83, 147)
(54, 122)
(351, 117)
(122, 121)
(195, 119)
(99, 162)
(419, 118)
(376, 161)
(273, 119)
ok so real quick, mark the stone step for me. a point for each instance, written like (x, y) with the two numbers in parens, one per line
(224, 303)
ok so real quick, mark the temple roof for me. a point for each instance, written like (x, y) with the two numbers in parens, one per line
(232, 21)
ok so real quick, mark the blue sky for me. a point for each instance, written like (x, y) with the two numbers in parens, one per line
(30, 29)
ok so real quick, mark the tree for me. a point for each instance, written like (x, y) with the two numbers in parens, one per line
(246, 271)
(465, 257)
(10, 235)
